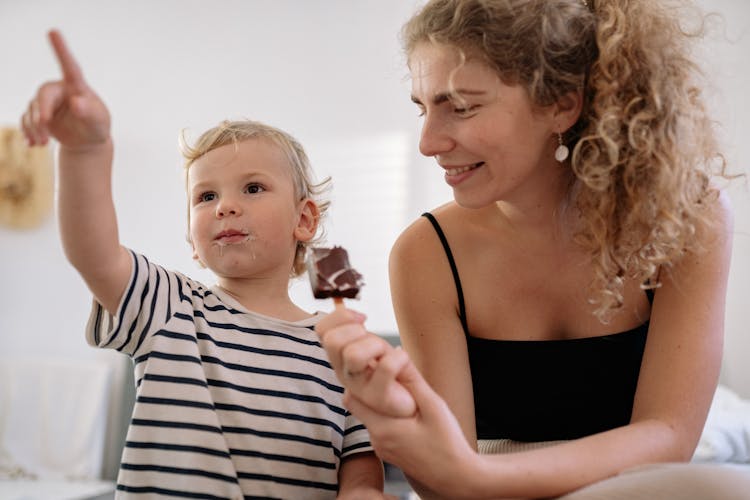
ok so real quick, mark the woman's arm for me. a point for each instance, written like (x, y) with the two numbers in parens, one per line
(425, 303)
(71, 112)
(682, 359)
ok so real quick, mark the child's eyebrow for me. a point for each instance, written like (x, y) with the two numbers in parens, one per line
(199, 185)
(246, 177)
(442, 97)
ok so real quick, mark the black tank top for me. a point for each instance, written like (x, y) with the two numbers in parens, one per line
(552, 389)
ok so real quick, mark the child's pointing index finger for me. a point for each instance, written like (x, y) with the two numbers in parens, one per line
(72, 73)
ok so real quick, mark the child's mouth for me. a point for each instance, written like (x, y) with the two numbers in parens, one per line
(232, 237)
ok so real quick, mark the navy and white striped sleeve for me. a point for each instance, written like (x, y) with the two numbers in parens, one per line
(356, 437)
(150, 297)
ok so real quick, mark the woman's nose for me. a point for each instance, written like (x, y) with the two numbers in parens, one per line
(435, 138)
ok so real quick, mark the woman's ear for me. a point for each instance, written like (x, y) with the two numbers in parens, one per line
(307, 225)
(568, 110)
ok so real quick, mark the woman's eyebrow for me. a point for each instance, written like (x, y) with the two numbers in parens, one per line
(447, 96)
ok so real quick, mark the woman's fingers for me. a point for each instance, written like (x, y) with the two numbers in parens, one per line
(430, 404)
(373, 378)
(396, 399)
(363, 353)
(361, 410)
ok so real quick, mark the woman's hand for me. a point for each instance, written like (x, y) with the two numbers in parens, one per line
(410, 425)
(67, 110)
(428, 446)
(356, 356)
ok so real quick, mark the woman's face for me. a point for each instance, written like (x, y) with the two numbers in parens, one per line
(490, 140)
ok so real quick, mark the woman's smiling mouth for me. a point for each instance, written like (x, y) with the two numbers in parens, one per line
(450, 172)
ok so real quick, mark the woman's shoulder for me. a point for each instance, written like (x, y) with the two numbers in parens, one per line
(706, 262)
(719, 219)
(421, 237)
(722, 209)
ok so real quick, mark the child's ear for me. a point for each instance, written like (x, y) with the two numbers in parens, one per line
(307, 225)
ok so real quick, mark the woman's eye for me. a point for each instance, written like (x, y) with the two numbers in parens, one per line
(465, 111)
(254, 188)
(207, 197)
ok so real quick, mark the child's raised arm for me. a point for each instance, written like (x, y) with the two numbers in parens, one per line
(69, 111)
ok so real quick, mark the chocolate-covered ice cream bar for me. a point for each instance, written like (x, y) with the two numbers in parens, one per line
(331, 276)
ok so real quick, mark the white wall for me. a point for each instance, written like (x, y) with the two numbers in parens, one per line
(328, 71)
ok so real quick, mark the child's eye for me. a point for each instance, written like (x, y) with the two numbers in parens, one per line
(420, 110)
(254, 188)
(207, 197)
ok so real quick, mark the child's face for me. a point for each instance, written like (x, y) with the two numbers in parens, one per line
(245, 220)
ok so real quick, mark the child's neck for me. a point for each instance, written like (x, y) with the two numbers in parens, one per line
(264, 300)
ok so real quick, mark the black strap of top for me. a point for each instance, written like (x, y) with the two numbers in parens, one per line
(454, 270)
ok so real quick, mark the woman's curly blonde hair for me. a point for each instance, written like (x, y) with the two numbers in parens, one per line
(644, 148)
(234, 132)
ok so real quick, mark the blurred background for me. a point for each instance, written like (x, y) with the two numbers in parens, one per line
(330, 72)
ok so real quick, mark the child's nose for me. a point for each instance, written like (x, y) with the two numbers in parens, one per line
(227, 206)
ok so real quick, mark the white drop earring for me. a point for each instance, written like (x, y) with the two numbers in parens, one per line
(562, 151)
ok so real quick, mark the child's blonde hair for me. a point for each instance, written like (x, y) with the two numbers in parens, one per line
(234, 132)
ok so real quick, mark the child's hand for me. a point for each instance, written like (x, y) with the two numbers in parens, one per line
(355, 355)
(67, 110)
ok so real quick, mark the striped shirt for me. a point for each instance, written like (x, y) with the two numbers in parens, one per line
(229, 403)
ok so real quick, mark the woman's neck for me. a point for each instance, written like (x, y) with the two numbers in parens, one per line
(547, 209)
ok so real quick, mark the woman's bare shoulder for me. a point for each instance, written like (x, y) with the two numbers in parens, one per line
(718, 223)
(420, 239)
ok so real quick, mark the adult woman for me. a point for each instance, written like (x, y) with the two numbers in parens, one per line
(565, 307)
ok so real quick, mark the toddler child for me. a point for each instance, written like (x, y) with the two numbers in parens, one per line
(235, 396)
